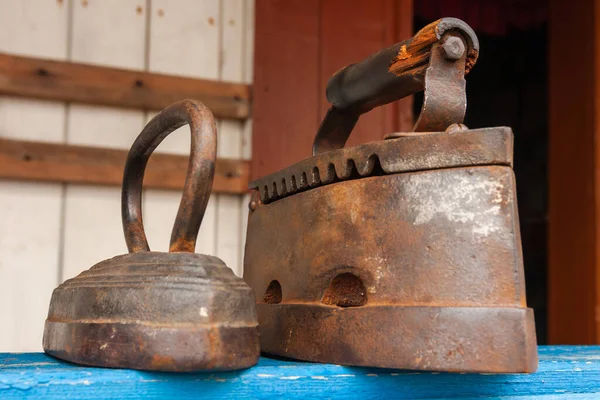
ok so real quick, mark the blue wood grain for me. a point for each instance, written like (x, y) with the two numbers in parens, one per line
(569, 372)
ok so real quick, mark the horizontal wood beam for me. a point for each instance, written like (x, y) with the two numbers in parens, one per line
(49, 162)
(72, 82)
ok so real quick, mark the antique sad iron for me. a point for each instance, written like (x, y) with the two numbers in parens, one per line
(176, 311)
(403, 253)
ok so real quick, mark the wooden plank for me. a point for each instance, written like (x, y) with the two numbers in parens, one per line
(573, 240)
(248, 72)
(564, 373)
(286, 83)
(596, 181)
(45, 162)
(229, 210)
(175, 28)
(249, 16)
(30, 213)
(105, 33)
(83, 83)
(399, 115)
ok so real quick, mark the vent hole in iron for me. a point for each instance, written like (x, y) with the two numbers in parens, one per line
(273, 293)
(345, 290)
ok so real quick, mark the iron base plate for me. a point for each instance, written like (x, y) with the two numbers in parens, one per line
(456, 339)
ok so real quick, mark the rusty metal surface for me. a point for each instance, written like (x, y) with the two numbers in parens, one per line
(403, 154)
(454, 339)
(435, 264)
(445, 96)
(176, 311)
(198, 183)
(434, 60)
(155, 311)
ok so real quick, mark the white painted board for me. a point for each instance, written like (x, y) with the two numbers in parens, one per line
(184, 40)
(109, 33)
(30, 213)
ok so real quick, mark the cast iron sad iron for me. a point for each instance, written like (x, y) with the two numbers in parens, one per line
(403, 253)
(176, 311)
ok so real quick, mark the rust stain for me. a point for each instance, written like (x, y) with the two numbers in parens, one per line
(162, 362)
(139, 10)
(160, 12)
(211, 21)
(472, 56)
(345, 290)
(84, 3)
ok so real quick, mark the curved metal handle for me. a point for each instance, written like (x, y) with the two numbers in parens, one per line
(436, 58)
(198, 182)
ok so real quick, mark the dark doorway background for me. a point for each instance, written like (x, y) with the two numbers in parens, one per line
(508, 87)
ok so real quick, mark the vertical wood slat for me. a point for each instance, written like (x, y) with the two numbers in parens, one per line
(229, 213)
(573, 241)
(183, 40)
(249, 16)
(596, 179)
(286, 83)
(108, 33)
(399, 116)
(247, 133)
(30, 213)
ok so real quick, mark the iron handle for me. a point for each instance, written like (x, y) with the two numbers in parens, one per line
(391, 74)
(198, 182)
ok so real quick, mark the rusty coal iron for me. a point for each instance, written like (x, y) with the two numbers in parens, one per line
(176, 311)
(403, 253)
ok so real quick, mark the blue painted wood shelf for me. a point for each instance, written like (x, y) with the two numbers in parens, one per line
(569, 372)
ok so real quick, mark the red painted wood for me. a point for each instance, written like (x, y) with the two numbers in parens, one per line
(574, 196)
(286, 82)
(400, 117)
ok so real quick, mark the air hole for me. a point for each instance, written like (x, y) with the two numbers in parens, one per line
(345, 290)
(273, 293)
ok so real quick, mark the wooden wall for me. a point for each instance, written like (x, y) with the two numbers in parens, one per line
(51, 232)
